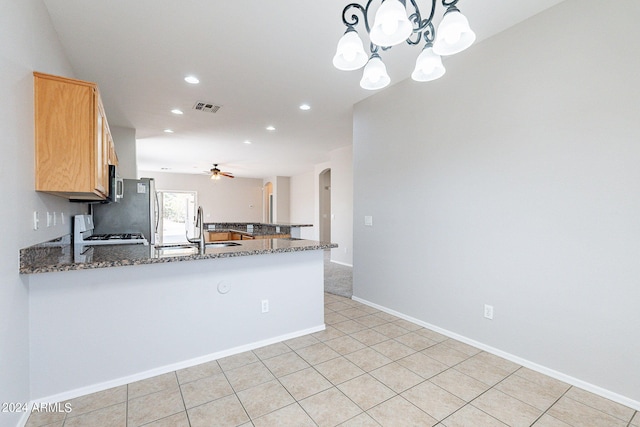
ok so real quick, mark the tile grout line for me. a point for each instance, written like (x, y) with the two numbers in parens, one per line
(126, 408)
(287, 390)
(453, 366)
(182, 397)
(347, 349)
(283, 386)
(551, 406)
(235, 393)
(397, 394)
(427, 379)
(313, 366)
(594, 408)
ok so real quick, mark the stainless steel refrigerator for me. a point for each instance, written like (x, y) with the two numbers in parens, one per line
(137, 211)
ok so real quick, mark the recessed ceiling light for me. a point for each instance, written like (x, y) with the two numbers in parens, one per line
(271, 128)
(177, 111)
(305, 107)
(168, 131)
(192, 79)
(165, 169)
(247, 142)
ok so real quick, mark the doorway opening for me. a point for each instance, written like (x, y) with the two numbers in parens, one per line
(268, 203)
(325, 205)
(177, 216)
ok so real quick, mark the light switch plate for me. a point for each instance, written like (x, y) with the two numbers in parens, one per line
(368, 220)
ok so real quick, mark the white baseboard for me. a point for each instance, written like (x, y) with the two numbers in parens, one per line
(25, 417)
(623, 400)
(71, 394)
(342, 263)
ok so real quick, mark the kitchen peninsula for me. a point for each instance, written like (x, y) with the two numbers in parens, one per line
(248, 231)
(122, 313)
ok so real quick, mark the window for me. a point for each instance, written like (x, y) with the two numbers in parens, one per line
(177, 215)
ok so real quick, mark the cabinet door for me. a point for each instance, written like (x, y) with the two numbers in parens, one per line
(71, 150)
(101, 169)
(113, 157)
(218, 236)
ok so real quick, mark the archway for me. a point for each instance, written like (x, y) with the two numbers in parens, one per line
(268, 203)
(325, 205)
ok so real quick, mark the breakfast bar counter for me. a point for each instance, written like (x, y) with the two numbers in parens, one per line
(131, 312)
(61, 255)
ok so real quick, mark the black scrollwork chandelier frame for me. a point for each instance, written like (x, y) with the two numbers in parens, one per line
(422, 28)
(415, 23)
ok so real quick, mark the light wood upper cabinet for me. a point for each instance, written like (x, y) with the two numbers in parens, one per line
(73, 143)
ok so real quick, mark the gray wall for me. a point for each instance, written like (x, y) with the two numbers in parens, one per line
(224, 200)
(124, 140)
(27, 43)
(148, 337)
(305, 203)
(302, 198)
(514, 181)
(342, 205)
(282, 190)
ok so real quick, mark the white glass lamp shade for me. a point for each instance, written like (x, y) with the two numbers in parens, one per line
(454, 34)
(428, 66)
(375, 74)
(350, 54)
(391, 25)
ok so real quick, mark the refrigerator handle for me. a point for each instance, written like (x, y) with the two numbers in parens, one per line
(157, 212)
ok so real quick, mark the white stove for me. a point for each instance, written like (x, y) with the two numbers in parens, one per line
(83, 234)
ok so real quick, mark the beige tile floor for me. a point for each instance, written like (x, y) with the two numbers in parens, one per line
(367, 368)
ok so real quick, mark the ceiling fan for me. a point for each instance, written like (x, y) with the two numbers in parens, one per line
(217, 173)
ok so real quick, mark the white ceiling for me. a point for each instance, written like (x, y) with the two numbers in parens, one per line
(258, 59)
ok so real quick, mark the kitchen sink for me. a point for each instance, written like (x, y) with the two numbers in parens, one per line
(176, 250)
(221, 244)
(163, 251)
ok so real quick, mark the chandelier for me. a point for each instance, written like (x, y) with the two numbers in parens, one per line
(392, 26)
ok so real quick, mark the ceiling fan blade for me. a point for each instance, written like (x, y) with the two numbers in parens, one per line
(227, 174)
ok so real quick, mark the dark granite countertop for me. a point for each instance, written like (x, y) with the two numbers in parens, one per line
(251, 228)
(59, 255)
(254, 233)
(264, 224)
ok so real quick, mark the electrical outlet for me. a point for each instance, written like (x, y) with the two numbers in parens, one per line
(36, 220)
(265, 305)
(55, 219)
(49, 219)
(488, 311)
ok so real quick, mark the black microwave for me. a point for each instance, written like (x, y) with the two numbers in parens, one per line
(116, 189)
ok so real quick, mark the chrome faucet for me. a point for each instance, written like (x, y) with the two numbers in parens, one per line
(200, 226)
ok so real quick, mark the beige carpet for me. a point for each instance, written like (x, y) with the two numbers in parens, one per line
(338, 279)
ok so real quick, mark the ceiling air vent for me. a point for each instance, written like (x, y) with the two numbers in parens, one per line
(207, 107)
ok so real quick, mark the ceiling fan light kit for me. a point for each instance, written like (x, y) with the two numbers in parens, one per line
(216, 173)
(393, 25)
